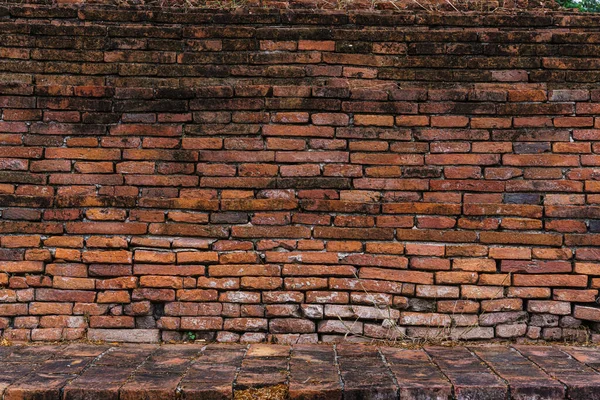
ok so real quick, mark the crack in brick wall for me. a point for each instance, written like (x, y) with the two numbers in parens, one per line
(298, 176)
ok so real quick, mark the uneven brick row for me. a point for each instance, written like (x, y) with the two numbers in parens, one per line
(302, 371)
(298, 176)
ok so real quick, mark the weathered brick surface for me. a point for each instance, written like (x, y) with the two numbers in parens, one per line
(561, 366)
(297, 176)
(301, 371)
(471, 378)
(524, 379)
(417, 376)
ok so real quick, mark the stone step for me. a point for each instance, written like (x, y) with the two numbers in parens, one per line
(304, 371)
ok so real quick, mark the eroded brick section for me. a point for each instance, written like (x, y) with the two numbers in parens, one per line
(271, 174)
(470, 377)
(18, 363)
(588, 356)
(525, 380)
(211, 376)
(108, 373)
(353, 361)
(159, 376)
(417, 376)
(264, 373)
(581, 381)
(50, 369)
(314, 373)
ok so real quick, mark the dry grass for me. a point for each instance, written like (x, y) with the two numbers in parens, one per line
(447, 336)
(277, 392)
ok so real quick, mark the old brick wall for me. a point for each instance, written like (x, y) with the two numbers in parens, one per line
(298, 175)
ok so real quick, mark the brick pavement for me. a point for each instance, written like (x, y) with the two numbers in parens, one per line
(261, 371)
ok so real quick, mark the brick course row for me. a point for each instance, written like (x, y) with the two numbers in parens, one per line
(291, 175)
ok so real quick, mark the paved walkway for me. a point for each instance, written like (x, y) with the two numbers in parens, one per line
(348, 371)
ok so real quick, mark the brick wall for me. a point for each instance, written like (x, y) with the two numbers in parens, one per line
(295, 175)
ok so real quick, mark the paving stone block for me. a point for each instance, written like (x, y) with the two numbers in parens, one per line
(582, 382)
(471, 379)
(353, 361)
(525, 379)
(314, 373)
(417, 376)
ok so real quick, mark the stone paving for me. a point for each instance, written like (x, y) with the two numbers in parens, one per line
(323, 372)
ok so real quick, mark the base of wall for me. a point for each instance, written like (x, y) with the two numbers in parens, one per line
(516, 332)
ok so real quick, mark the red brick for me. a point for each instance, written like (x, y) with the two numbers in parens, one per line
(325, 45)
(580, 296)
(330, 119)
(454, 277)
(114, 296)
(410, 120)
(550, 280)
(474, 264)
(107, 257)
(214, 201)
(397, 276)
(308, 131)
(549, 307)
(587, 313)
(374, 120)
(21, 266)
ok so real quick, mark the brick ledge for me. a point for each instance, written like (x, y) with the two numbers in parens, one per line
(261, 371)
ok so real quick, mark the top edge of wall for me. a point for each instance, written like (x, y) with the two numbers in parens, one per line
(512, 13)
